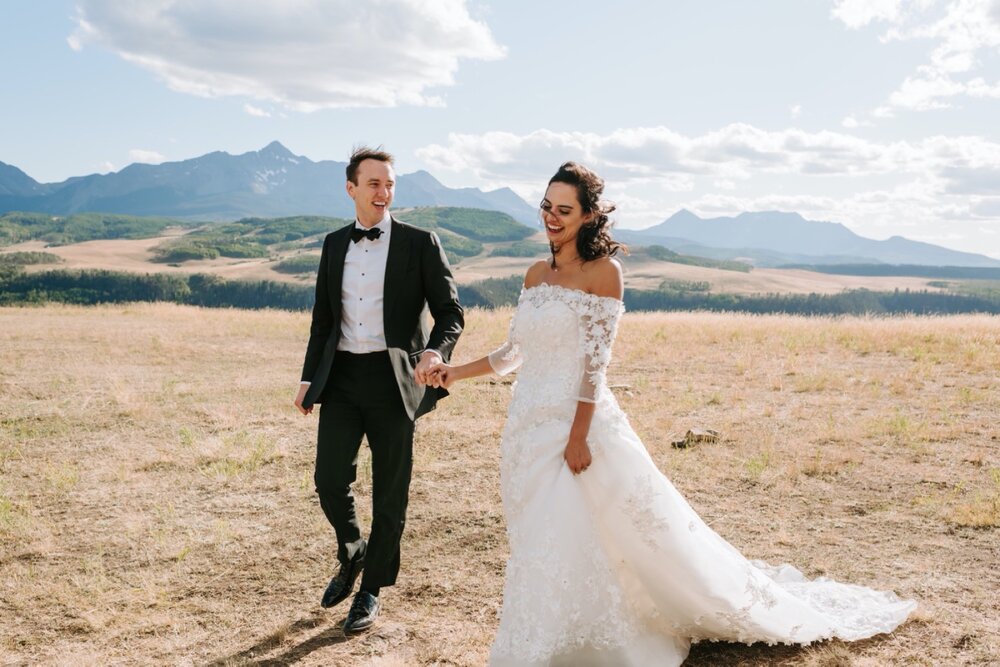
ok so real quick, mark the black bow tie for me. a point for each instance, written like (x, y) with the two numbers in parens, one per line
(371, 234)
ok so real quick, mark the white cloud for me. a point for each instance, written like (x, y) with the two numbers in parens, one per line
(795, 110)
(872, 186)
(925, 91)
(986, 207)
(859, 13)
(972, 180)
(255, 111)
(302, 54)
(979, 88)
(736, 151)
(145, 156)
(963, 34)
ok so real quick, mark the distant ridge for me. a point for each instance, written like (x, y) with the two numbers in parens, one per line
(270, 182)
(274, 182)
(774, 238)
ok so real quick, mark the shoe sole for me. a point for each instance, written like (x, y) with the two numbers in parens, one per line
(356, 629)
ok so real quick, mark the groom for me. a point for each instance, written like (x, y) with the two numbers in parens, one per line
(368, 364)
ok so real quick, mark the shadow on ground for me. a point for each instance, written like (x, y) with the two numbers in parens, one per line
(254, 655)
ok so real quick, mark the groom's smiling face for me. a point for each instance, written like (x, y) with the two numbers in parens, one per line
(372, 194)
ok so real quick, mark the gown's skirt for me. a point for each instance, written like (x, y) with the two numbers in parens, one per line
(613, 567)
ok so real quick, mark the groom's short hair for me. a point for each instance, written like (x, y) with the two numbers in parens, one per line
(362, 153)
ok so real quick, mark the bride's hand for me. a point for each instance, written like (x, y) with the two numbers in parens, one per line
(440, 376)
(577, 455)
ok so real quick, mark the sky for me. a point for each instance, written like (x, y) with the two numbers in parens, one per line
(883, 115)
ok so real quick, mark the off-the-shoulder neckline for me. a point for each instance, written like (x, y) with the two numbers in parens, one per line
(573, 290)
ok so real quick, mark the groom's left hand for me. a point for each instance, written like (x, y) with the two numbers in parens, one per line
(428, 360)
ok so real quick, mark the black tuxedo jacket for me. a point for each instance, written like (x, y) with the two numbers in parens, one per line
(417, 276)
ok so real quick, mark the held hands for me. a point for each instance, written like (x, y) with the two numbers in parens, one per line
(433, 372)
(441, 376)
(428, 361)
(577, 455)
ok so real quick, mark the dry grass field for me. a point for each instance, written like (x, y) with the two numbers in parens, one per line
(156, 503)
(136, 256)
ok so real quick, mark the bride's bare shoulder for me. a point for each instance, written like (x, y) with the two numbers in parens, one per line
(605, 278)
(536, 273)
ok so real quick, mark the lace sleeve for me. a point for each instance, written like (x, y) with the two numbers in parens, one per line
(507, 357)
(598, 326)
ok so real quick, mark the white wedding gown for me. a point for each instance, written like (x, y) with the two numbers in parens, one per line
(613, 567)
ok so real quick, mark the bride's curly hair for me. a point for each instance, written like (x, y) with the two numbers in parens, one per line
(594, 239)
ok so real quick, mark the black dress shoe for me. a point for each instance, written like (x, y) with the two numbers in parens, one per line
(342, 584)
(364, 611)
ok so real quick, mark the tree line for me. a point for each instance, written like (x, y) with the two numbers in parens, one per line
(88, 287)
(915, 270)
(497, 292)
(100, 286)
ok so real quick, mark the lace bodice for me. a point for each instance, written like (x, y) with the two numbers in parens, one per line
(561, 339)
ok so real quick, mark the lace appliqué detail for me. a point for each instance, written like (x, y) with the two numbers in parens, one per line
(641, 504)
(760, 591)
(556, 600)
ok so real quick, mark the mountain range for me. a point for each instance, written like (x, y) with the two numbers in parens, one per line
(271, 182)
(274, 182)
(774, 238)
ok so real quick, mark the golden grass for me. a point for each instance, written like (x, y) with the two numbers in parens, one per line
(156, 502)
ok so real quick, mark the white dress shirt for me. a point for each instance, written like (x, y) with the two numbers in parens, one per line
(362, 292)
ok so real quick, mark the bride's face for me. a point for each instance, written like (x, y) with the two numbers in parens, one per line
(562, 214)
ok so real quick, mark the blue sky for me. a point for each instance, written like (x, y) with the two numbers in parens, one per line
(880, 114)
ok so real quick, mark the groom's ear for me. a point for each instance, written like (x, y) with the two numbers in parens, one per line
(350, 187)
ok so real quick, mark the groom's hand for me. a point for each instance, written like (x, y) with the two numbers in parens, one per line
(428, 360)
(303, 388)
(440, 376)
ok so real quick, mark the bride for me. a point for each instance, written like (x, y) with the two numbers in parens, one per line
(609, 565)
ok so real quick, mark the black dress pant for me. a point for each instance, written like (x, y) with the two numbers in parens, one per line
(362, 398)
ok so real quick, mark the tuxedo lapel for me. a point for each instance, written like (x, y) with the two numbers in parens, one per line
(336, 270)
(395, 265)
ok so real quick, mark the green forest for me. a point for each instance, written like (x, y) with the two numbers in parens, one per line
(667, 255)
(95, 286)
(64, 230)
